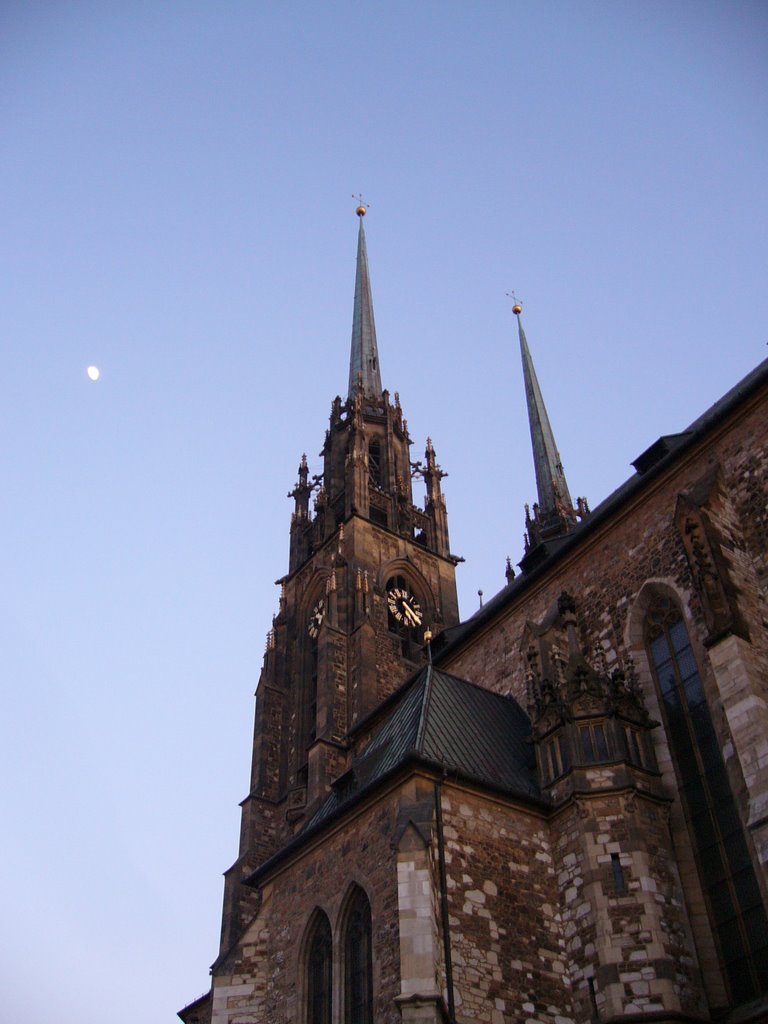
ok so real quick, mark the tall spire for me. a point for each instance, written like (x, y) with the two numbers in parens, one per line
(553, 513)
(551, 484)
(364, 357)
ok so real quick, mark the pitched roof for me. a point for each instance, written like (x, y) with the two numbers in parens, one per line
(448, 723)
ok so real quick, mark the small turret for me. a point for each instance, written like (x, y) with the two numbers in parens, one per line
(582, 714)
(435, 503)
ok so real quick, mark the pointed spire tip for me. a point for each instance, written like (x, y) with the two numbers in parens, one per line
(364, 355)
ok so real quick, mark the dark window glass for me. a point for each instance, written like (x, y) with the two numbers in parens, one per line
(634, 748)
(587, 748)
(724, 863)
(757, 928)
(741, 985)
(307, 712)
(704, 827)
(555, 758)
(761, 964)
(319, 976)
(746, 887)
(312, 694)
(720, 898)
(594, 743)
(600, 742)
(695, 797)
(374, 464)
(565, 757)
(358, 962)
(379, 516)
(737, 853)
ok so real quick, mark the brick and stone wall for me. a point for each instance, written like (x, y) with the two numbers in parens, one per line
(509, 961)
(613, 576)
(261, 979)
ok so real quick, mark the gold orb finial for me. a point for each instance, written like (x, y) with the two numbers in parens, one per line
(517, 308)
(360, 211)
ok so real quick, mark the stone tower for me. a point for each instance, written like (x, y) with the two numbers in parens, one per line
(368, 572)
(559, 816)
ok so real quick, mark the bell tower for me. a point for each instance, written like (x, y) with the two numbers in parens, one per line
(368, 572)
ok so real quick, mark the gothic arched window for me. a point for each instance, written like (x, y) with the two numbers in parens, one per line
(319, 972)
(307, 693)
(358, 961)
(375, 473)
(311, 706)
(724, 864)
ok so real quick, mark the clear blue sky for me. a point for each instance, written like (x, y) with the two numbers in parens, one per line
(175, 195)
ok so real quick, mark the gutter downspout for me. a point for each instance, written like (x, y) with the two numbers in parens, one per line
(444, 901)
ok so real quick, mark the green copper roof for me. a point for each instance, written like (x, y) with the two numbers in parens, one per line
(364, 357)
(550, 479)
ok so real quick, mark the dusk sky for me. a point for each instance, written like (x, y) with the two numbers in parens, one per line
(176, 187)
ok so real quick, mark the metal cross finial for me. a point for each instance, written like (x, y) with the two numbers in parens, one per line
(517, 306)
(362, 207)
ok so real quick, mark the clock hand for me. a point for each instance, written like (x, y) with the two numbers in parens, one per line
(410, 615)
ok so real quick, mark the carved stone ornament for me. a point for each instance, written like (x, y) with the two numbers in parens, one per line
(626, 695)
(709, 569)
(563, 686)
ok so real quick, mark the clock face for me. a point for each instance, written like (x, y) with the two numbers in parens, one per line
(316, 618)
(404, 607)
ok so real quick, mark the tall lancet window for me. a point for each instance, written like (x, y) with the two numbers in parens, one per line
(724, 863)
(319, 972)
(311, 709)
(307, 695)
(375, 475)
(358, 962)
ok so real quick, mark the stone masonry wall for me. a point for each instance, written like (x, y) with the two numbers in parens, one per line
(624, 923)
(260, 983)
(506, 933)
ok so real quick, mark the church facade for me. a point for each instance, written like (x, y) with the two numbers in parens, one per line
(554, 812)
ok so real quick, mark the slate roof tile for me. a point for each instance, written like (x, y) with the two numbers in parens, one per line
(449, 723)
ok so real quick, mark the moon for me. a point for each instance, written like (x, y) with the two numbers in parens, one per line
(93, 372)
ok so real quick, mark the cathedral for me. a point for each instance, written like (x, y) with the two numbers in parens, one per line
(552, 812)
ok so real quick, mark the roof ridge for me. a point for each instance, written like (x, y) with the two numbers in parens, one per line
(424, 707)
